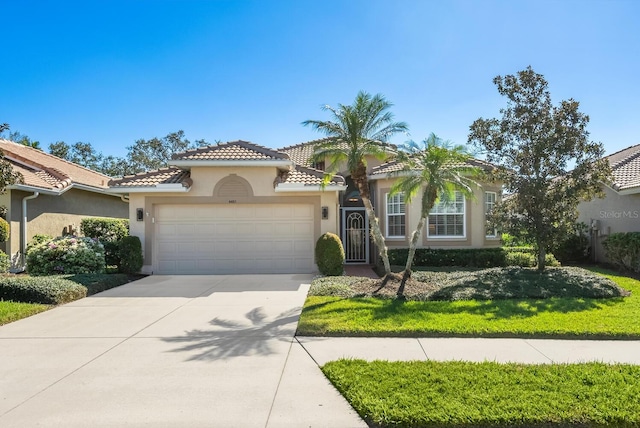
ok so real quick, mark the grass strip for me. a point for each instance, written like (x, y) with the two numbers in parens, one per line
(13, 311)
(464, 394)
(562, 317)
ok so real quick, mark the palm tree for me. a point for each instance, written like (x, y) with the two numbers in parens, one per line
(435, 169)
(355, 132)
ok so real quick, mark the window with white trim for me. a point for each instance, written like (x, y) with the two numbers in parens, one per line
(490, 199)
(447, 218)
(395, 216)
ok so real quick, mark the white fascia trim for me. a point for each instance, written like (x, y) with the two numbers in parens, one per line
(41, 190)
(95, 189)
(154, 189)
(389, 175)
(302, 188)
(192, 163)
(630, 191)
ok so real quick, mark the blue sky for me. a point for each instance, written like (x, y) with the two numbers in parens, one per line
(111, 72)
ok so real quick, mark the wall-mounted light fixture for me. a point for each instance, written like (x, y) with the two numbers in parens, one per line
(139, 214)
(325, 213)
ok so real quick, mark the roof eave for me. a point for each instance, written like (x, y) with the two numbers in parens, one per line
(150, 189)
(220, 162)
(295, 187)
(629, 191)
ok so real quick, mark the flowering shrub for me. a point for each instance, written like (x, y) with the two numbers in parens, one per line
(67, 254)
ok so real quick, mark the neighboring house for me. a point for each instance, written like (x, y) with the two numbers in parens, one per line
(54, 197)
(619, 210)
(243, 208)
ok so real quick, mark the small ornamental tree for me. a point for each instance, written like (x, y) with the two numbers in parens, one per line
(544, 159)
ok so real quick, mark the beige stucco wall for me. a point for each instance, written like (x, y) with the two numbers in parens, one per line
(52, 215)
(475, 236)
(614, 213)
(260, 179)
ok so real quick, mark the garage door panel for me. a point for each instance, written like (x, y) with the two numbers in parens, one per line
(232, 238)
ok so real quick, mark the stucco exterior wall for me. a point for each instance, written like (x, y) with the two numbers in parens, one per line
(475, 220)
(52, 215)
(614, 213)
(205, 179)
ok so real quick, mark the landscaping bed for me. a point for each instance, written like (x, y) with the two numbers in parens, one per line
(564, 303)
(464, 394)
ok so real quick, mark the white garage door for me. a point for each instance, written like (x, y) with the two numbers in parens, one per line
(233, 239)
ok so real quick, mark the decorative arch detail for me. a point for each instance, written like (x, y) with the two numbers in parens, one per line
(233, 186)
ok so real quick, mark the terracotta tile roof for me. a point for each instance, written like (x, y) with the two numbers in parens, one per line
(235, 150)
(301, 153)
(625, 168)
(169, 175)
(307, 176)
(46, 171)
(394, 166)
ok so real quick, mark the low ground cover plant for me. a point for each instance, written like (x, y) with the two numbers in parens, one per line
(464, 394)
(484, 284)
(556, 317)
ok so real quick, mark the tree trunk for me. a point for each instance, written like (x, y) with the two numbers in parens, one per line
(378, 239)
(412, 247)
(541, 257)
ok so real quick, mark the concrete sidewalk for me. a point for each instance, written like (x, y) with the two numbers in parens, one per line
(529, 351)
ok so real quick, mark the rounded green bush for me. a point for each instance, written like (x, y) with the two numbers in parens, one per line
(67, 254)
(521, 259)
(330, 255)
(4, 230)
(130, 254)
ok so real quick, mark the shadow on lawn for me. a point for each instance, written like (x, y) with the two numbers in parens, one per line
(517, 308)
(229, 339)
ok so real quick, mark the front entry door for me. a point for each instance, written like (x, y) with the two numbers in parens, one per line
(355, 235)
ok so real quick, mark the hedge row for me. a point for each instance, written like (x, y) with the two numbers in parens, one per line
(45, 290)
(623, 250)
(472, 257)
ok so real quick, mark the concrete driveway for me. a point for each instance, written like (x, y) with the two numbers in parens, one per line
(211, 351)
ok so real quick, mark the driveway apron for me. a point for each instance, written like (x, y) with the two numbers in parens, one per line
(210, 351)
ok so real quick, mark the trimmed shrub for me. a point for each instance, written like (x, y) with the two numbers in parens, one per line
(50, 290)
(550, 260)
(474, 257)
(130, 254)
(66, 254)
(330, 254)
(521, 259)
(4, 230)
(574, 247)
(623, 250)
(5, 262)
(109, 231)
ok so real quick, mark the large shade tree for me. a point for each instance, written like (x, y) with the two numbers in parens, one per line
(355, 132)
(435, 170)
(544, 157)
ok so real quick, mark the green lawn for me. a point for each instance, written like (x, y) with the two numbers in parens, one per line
(553, 317)
(462, 394)
(13, 311)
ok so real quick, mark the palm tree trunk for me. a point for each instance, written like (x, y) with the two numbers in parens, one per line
(412, 247)
(378, 239)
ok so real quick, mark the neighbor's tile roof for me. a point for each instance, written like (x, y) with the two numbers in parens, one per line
(394, 166)
(235, 150)
(43, 170)
(169, 175)
(625, 168)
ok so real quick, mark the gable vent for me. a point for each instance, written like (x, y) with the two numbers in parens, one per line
(233, 187)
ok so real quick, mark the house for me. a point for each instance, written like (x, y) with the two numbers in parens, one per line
(53, 198)
(242, 208)
(619, 210)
